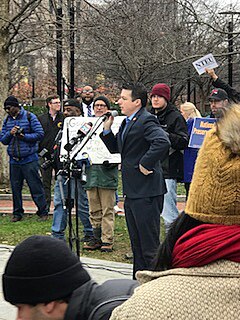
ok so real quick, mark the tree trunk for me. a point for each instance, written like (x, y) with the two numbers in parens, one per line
(4, 83)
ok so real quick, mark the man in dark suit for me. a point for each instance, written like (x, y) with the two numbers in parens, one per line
(142, 144)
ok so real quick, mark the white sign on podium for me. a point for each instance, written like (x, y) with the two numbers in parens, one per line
(94, 147)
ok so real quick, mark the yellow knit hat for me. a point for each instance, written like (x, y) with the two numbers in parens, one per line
(214, 195)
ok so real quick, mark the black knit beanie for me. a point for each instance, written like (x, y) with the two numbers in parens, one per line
(11, 101)
(103, 98)
(42, 269)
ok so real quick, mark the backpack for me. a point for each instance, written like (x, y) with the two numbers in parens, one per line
(96, 302)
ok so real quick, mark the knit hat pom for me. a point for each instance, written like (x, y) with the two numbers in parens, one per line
(229, 129)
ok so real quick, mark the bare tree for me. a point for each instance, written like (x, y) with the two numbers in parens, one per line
(4, 34)
(152, 41)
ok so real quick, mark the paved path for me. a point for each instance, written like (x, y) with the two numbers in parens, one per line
(29, 206)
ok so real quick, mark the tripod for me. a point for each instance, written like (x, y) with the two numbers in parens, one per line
(74, 171)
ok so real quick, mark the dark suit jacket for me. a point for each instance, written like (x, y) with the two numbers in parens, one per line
(145, 143)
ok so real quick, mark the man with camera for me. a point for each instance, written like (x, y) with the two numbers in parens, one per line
(51, 122)
(22, 131)
(72, 108)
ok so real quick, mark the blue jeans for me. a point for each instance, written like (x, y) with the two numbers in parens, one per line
(60, 214)
(29, 172)
(170, 211)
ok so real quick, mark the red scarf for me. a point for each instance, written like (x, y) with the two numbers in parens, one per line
(205, 244)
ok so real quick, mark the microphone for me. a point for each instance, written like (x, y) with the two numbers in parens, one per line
(106, 116)
(81, 133)
(84, 163)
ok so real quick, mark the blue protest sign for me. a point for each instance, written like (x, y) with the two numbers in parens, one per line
(199, 129)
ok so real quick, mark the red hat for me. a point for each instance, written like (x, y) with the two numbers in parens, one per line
(161, 90)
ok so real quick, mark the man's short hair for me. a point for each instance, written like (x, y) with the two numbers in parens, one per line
(139, 91)
(50, 98)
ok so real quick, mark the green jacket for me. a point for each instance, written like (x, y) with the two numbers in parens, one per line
(102, 176)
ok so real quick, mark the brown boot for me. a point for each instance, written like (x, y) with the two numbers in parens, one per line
(107, 247)
(92, 244)
(16, 219)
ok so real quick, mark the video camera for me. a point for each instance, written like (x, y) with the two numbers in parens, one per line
(48, 159)
(19, 132)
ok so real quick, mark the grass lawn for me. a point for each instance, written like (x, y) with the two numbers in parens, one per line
(13, 233)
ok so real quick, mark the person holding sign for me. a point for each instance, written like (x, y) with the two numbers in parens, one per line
(102, 182)
(219, 83)
(189, 112)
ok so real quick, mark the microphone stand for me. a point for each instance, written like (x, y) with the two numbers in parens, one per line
(69, 201)
(88, 136)
(69, 196)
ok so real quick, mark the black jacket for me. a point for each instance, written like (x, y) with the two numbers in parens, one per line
(145, 143)
(232, 93)
(175, 125)
(51, 129)
(96, 302)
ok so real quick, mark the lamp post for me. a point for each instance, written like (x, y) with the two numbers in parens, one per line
(59, 17)
(230, 45)
(72, 47)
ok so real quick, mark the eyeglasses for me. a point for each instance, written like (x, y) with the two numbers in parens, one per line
(7, 108)
(99, 105)
(87, 91)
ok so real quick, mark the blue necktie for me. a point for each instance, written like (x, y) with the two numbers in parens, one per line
(89, 112)
(125, 127)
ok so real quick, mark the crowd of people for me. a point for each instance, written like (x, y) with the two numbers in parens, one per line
(194, 273)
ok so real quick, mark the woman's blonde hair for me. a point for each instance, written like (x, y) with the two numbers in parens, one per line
(190, 109)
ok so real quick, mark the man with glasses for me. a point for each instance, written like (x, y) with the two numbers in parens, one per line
(102, 183)
(51, 122)
(22, 131)
(87, 96)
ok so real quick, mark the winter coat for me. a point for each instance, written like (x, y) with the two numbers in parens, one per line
(145, 143)
(51, 128)
(96, 302)
(232, 93)
(199, 293)
(102, 176)
(22, 147)
(174, 124)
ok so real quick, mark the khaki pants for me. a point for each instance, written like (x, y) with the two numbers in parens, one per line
(101, 203)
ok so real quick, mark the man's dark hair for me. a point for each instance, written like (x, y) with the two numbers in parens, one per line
(50, 98)
(139, 91)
